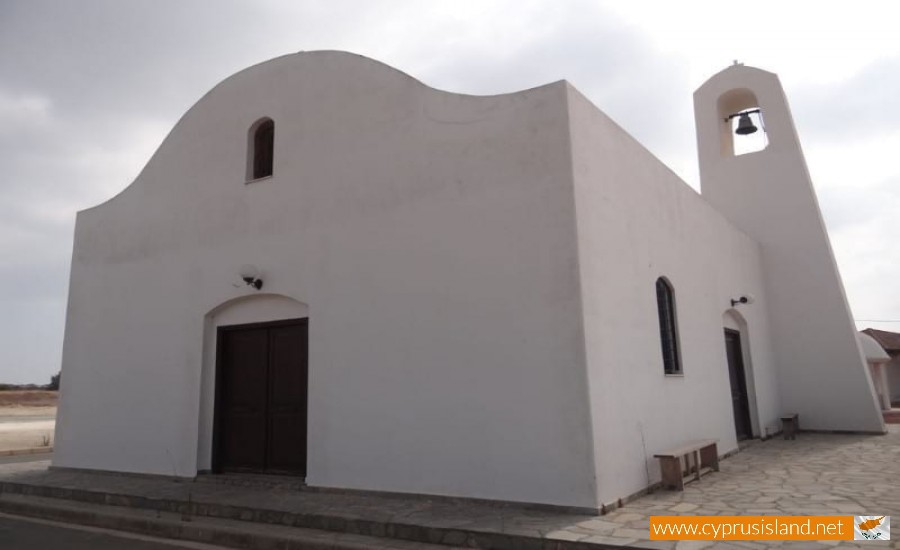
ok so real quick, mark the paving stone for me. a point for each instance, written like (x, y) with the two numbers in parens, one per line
(716, 505)
(599, 525)
(656, 544)
(618, 541)
(803, 545)
(683, 507)
(565, 535)
(747, 544)
(641, 524)
(625, 532)
(824, 496)
(625, 517)
(693, 544)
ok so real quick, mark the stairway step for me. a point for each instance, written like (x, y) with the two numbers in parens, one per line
(222, 532)
(335, 516)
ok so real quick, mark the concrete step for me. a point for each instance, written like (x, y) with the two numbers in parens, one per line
(217, 531)
(383, 526)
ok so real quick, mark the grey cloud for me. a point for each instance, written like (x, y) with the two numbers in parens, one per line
(859, 107)
(848, 206)
(108, 56)
(644, 90)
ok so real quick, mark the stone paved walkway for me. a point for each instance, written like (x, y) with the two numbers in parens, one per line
(815, 474)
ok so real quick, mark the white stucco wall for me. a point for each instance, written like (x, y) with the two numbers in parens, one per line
(769, 195)
(428, 235)
(637, 221)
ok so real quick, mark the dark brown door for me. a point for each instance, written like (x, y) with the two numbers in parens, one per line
(739, 400)
(261, 395)
(286, 445)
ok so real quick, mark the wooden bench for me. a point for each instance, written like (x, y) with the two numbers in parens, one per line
(691, 460)
(790, 425)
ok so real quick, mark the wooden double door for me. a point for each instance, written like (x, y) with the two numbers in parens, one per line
(261, 398)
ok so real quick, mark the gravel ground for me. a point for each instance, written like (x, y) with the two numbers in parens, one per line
(26, 427)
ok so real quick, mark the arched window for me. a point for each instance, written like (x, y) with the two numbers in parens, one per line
(668, 331)
(261, 149)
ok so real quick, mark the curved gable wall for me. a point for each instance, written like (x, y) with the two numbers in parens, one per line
(337, 116)
(431, 235)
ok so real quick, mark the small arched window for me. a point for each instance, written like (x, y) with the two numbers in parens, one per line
(261, 149)
(668, 331)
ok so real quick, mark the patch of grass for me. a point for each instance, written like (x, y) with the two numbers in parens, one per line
(21, 387)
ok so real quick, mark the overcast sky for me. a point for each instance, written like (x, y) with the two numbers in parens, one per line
(89, 89)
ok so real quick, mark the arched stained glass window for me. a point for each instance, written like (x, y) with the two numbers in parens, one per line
(668, 330)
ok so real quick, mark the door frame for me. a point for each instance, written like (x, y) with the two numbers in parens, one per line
(218, 422)
(741, 368)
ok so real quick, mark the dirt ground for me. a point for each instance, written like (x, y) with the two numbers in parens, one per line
(27, 419)
(28, 398)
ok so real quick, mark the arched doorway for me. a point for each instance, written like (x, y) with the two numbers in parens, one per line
(254, 387)
(740, 399)
(742, 389)
(261, 398)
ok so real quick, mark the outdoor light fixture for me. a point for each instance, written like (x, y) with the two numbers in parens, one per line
(250, 275)
(746, 299)
(745, 125)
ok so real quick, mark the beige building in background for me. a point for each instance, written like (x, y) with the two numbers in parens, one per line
(333, 271)
(888, 373)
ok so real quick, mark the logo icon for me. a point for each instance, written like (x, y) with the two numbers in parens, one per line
(871, 527)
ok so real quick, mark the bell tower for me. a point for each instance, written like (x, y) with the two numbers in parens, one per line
(769, 195)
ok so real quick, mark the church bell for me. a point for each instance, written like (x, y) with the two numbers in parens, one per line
(745, 125)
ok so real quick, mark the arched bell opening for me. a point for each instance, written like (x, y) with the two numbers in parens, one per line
(742, 126)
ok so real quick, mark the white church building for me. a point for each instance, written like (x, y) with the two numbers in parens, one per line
(330, 270)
